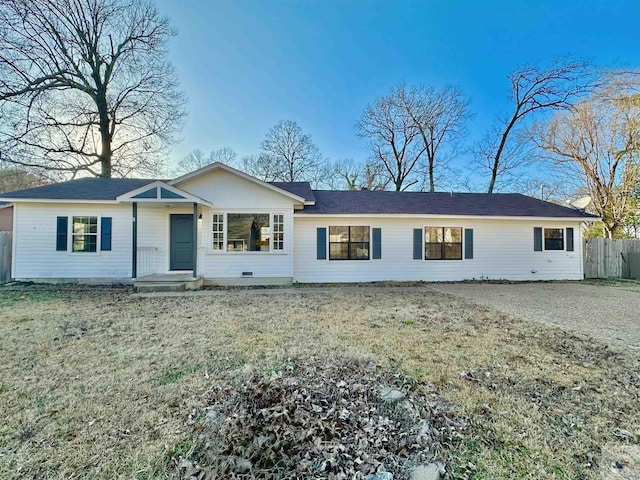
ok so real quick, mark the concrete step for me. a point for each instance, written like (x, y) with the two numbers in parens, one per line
(146, 287)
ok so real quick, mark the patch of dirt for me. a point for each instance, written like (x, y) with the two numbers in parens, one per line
(334, 419)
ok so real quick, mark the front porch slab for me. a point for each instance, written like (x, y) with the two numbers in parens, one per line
(167, 282)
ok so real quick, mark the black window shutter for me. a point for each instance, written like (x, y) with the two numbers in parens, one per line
(569, 239)
(105, 233)
(377, 243)
(321, 237)
(61, 234)
(468, 243)
(537, 239)
(417, 244)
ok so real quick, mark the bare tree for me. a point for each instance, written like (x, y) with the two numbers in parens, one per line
(85, 86)
(544, 188)
(439, 117)
(352, 175)
(598, 141)
(393, 138)
(295, 156)
(414, 130)
(197, 159)
(533, 89)
(263, 166)
(12, 178)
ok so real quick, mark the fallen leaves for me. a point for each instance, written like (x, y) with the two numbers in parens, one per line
(333, 419)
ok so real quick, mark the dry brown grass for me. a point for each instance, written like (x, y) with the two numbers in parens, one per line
(99, 384)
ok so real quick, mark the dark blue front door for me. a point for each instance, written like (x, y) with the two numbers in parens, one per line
(181, 242)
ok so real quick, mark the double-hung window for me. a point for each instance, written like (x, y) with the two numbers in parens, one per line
(443, 243)
(349, 243)
(554, 238)
(84, 234)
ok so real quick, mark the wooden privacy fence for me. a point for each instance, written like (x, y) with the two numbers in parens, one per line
(5, 256)
(611, 258)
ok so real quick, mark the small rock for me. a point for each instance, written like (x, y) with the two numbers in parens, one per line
(380, 476)
(391, 394)
(431, 471)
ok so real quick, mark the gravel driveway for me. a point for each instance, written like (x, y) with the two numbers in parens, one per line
(608, 313)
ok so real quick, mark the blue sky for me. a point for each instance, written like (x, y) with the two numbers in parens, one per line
(244, 65)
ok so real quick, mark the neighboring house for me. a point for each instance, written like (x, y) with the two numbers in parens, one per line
(6, 217)
(224, 226)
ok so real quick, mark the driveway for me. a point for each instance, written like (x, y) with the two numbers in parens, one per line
(610, 313)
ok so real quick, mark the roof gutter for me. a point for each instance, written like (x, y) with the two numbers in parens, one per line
(302, 214)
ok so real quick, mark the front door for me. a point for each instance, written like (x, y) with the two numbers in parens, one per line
(181, 242)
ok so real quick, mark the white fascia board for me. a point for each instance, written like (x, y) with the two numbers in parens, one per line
(246, 176)
(56, 200)
(461, 217)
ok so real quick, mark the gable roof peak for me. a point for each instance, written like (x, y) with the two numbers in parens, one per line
(221, 166)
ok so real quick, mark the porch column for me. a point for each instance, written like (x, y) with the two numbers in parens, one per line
(195, 240)
(134, 243)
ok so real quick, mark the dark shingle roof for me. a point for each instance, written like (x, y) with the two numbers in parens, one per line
(110, 188)
(301, 189)
(81, 189)
(437, 203)
(334, 202)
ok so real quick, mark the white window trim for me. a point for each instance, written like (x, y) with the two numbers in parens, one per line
(224, 251)
(98, 251)
(224, 233)
(564, 239)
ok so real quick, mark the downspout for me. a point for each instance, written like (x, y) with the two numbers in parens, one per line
(134, 253)
(195, 240)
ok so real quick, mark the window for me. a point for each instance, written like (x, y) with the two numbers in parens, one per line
(248, 232)
(218, 231)
(554, 239)
(348, 243)
(443, 243)
(278, 232)
(85, 234)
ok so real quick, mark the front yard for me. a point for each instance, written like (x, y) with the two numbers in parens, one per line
(97, 383)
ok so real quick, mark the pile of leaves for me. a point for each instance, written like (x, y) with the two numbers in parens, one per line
(333, 419)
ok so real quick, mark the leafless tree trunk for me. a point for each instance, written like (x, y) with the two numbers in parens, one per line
(295, 155)
(439, 117)
(414, 129)
(85, 87)
(393, 138)
(599, 142)
(533, 89)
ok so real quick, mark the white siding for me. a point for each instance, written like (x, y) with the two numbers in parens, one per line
(226, 190)
(35, 243)
(230, 193)
(503, 249)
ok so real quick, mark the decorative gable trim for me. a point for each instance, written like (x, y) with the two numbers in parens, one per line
(160, 192)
